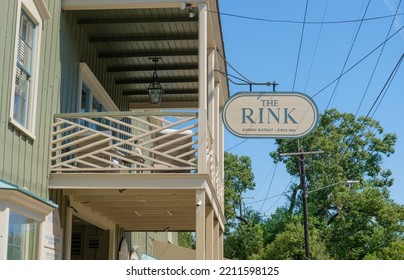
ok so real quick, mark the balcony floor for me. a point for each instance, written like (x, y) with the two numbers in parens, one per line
(137, 202)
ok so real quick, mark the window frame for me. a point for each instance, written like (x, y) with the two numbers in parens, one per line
(28, 247)
(29, 8)
(25, 203)
(94, 89)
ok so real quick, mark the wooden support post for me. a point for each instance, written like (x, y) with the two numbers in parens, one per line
(210, 214)
(200, 225)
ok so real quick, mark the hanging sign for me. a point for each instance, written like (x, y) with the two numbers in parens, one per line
(270, 114)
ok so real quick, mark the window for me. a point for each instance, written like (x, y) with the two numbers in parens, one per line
(93, 97)
(26, 62)
(24, 73)
(22, 241)
(25, 223)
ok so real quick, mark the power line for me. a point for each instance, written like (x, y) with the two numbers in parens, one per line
(236, 145)
(384, 94)
(315, 48)
(270, 185)
(300, 45)
(390, 78)
(269, 197)
(279, 196)
(357, 63)
(349, 54)
(265, 179)
(385, 86)
(300, 22)
(377, 62)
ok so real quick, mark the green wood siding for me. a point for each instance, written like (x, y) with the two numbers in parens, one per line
(64, 45)
(23, 161)
(75, 48)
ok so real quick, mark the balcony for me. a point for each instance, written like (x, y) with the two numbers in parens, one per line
(138, 150)
(125, 142)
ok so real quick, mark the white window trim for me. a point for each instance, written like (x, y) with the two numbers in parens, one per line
(30, 7)
(97, 90)
(17, 201)
(42, 9)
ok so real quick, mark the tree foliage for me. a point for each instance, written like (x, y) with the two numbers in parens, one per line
(355, 221)
(289, 244)
(246, 240)
(346, 221)
(239, 241)
(238, 178)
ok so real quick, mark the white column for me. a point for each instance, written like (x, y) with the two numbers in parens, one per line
(68, 234)
(221, 256)
(4, 220)
(216, 249)
(220, 136)
(211, 93)
(210, 214)
(203, 78)
(200, 227)
(111, 246)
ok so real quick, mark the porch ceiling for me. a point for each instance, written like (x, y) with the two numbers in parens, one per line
(126, 40)
(138, 210)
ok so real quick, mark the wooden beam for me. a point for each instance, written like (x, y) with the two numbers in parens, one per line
(137, 20)
(192, 37)
(124, 210)
(138, 68)
(134, 198)
(151, 53)
(165, 205)
(143, 228)
(161, 81)
(168, 92)
(165, 105)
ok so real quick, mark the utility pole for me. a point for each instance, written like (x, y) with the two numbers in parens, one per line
(301, 155)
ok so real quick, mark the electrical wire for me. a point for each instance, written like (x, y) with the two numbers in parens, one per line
(300, 22)
(386, 85)
(263, 182)
(384, 94)
(245, 140)
(377, 62)
(358, 62)
(315, 48)
(300, 45)
(279, 197)
(347, 57)
(270, 186)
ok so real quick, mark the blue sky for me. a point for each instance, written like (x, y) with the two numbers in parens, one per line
(262, 42)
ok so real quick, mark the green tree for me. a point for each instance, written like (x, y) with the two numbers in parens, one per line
(289, 244)
(238, 178)
(238, 236)
(186, 239)
(356, 221)
(246, 240)
(276, 224)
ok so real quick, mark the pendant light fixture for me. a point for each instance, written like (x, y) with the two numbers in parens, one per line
(155, 90)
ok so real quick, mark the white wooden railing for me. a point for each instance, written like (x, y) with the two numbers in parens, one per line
(127, 142)
(214, 166)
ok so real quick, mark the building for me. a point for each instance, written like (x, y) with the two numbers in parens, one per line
(85, 157)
